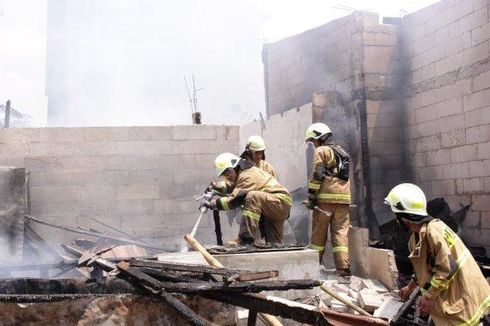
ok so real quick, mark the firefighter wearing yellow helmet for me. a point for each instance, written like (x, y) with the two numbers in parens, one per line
(264, 200)
(329, 191)
(454, 291)
(255, 152)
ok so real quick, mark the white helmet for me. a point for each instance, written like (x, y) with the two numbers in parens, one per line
(225, 161)
(407, 198)
(255, 143)
(317, 130)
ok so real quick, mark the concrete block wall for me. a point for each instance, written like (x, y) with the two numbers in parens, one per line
(447, 49)
(139, 179)
(286, 147)
(317, 60)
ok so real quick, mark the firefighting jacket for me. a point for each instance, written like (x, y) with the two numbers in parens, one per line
(321, 186)
(267, 167)
(447, 273)
(252, 179)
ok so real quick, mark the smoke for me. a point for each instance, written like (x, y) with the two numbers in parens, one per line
(122, 62)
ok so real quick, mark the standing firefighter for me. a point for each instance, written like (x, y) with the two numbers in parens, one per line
(255, 151)
(329, 191)
(454, 291)
(262, 197)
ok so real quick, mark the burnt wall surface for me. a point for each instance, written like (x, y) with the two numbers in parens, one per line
(139, 179)
(446, 47)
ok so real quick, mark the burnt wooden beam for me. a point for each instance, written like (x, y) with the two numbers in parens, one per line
(153, 287)
(222, 287)
(263, 305)
(232, 274)
(79, 252)
(39, 298)
(94, 234)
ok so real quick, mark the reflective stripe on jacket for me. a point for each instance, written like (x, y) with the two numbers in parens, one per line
(254, 179)
(330, 189)
(447, 272)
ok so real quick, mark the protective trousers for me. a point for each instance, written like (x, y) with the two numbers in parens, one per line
(339, 227)
(259, 204)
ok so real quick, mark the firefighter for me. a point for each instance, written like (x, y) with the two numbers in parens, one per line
(454, 291)
(255, 151)
(262, 197)
(329, 191)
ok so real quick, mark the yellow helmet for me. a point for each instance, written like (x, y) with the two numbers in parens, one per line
(317, 130)
(255, 143)
(407, 198)
(225, 161)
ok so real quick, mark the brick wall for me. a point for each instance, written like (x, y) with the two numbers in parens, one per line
(139, 179)
(447, 51)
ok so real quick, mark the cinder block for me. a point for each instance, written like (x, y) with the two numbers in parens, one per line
(485, 220)
(457, 170)
(468, 186)
(466, 153)
(388, 309)
(60, 135)
(453, 138)
(425, 144)
(438, 157)
(138, 192)
(374, 285)
(478, 99)
(482, 82)
(479, 168)
(134, 207)
(450, 107)
(370, 300)
(197, 132)
(475, 53)
(458, 43)
(478, 134)
(98, 134)
(481, 202)
(473, 20)
(150, 133)
(459, 10)
(477, 117)
(480, 34)
(426, 113)
(443, 187)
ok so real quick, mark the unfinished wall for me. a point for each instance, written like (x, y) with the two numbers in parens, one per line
(448, 106)
(139, 179)
(315, 61)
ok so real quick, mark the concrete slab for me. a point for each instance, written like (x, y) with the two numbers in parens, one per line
(388, 309)
(370, 300)
(297, 264)
(374, 285)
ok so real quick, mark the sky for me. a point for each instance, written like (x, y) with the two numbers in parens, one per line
(133, 54)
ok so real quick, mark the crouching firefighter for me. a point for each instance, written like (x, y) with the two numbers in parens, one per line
(454, 291)
(262, 197)
(329, 192)
(255, 151)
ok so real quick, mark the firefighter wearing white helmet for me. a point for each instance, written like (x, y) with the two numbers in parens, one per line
(264, 200)
(329, 191)
(255, 151)
(454, 291)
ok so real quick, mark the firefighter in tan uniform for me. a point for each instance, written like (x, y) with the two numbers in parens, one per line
(454, 291)
(255, 151)
(329, 191)
(260, 194)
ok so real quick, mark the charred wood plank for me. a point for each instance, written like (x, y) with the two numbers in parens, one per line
(79, 252)
(252, 318)
(232, 274)
(242, 287)
(152, 285)
(94, 234)
(261, 304)
(39, 298)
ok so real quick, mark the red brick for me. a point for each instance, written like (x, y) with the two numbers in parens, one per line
(464, 153)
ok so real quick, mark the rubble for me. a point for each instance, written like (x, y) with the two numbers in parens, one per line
(370, 300)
